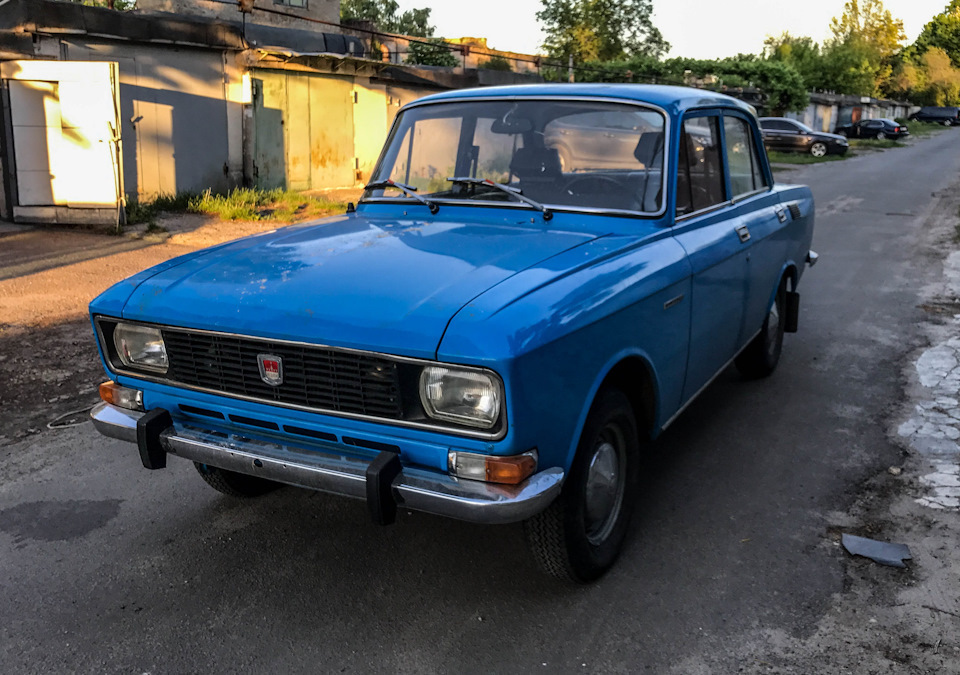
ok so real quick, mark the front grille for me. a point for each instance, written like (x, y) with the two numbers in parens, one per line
(313, 377)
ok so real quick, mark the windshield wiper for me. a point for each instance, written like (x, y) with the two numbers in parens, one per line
(512, 191)
(408, 190)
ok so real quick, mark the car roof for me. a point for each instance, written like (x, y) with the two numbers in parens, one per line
(675, 100)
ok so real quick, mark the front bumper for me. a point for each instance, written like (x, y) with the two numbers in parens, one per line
(327, 471)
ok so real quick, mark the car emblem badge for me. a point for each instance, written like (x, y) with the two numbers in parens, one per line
(271, 369)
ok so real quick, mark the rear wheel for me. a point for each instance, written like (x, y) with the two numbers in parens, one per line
(235, 484)
(881, 135)
(761, 356)
(818, 149)
(580, 535)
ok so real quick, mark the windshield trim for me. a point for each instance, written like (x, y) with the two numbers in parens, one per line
(518, 206)
(557, 208)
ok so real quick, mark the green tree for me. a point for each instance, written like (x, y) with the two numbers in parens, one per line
(600, 30)
(433, 52)
(119, 5)
(942, 32)
(780, 82)
(497, 62)
(801, 53)
(859, 59)
(385, 14)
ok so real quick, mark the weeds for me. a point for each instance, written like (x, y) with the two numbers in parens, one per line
(801, 158)
(238, 204)
(921, 128)
(875, 144)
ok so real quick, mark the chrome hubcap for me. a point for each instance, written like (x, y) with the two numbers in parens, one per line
(605, 486)
(819, 150)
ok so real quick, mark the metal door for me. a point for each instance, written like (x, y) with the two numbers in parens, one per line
(64, 122)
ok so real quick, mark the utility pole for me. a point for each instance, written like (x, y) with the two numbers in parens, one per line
(570, 69)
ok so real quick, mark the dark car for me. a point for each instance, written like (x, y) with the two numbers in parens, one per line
(945, 115)
(786, 135)
(878, 128)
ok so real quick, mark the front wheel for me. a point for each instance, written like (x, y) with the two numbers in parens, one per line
(761, 356)
(580, 535)
(818, 149)
(235, 484)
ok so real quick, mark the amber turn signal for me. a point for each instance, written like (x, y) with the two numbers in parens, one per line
(120, 396)
(493, 469)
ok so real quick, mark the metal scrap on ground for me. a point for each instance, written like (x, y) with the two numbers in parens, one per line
(880, 552)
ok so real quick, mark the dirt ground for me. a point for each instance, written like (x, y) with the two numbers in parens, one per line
(48, 359)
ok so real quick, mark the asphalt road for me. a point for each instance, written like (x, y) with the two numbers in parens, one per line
(107, 567)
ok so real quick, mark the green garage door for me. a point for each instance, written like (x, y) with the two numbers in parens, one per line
(304, 131)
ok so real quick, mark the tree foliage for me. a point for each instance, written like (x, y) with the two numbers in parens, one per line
(497, 62)
(801, 53)
(385, 14)
(119, 5)
(433, 52)
(780, 82)
(942, 32)
(600, 30)
(859, 58)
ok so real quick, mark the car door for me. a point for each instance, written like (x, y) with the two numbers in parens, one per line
(773, 134)
(758, 214)
(791, 137)
(716, 248)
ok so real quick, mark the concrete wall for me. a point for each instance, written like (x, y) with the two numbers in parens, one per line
(324, 10)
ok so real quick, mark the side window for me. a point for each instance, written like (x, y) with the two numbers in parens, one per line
(699, 172)
(745, 172)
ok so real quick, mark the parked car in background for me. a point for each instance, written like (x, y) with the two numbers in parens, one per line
(876, 128)
(787, 135)
(946, 115)
(486, 336)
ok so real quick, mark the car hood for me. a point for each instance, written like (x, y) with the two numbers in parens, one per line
(832, 137)
(383, 284)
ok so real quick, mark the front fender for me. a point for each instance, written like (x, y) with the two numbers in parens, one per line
(554, 345)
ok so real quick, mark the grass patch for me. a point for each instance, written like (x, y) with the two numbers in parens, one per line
(153, 228)
(921, 128)
(801, 158)
(875, 144)
(238, 204)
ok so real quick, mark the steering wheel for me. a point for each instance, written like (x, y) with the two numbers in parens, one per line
(617, 195)
(599, 181)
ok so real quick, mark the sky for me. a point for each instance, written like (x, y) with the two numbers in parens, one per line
(702, 29)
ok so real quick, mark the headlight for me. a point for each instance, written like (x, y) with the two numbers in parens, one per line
(469, 397)
(140, 347)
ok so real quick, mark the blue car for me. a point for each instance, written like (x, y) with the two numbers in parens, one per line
(491, 334)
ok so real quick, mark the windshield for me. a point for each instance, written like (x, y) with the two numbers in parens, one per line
(571, 154)
(804, 128)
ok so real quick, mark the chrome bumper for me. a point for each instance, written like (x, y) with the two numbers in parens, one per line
(323, 470)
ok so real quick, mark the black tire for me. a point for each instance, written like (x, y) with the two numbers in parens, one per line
(235, 484)
(881, 135)
(761, 356)
(567, 541)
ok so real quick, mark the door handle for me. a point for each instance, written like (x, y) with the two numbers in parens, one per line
(781, 214)
(743, 233)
